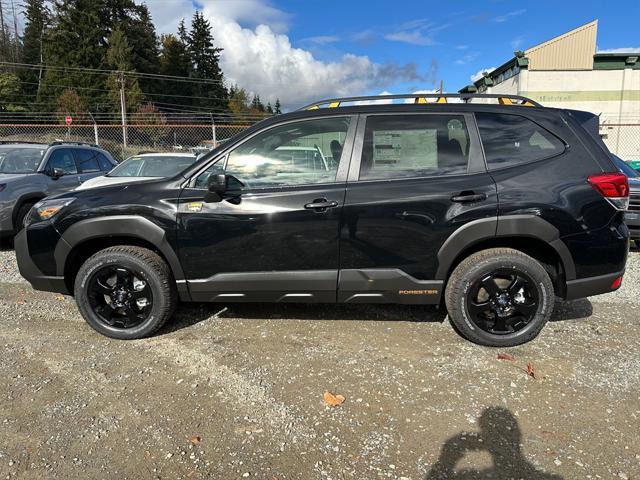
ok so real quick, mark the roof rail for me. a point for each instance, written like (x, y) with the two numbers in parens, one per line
(84, 144)
(14, 142)
(421, 98)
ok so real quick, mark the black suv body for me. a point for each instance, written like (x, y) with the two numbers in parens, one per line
(491, 209)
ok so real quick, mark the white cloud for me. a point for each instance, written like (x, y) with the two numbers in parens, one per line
(507, 16)
(321, 39)
(417, 32)
(516, 42)
(264, 61)
(479, 74)
(620, 50)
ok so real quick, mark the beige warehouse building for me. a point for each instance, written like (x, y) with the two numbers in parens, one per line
(568, 72)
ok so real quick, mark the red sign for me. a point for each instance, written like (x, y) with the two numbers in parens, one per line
(68, 119)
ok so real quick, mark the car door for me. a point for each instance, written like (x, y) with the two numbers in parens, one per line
(63, 159)
(414, 180)
(88, 164)
(277, 240)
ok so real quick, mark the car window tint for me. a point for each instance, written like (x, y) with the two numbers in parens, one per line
(402, 146)
(87, 160)
(292, 154)
(105, 164)
(512, 139)
(62, 158)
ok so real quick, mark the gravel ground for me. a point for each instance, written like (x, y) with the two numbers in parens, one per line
(238, 393)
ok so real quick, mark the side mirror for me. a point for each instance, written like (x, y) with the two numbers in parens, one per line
(56, 173)
(223, 186)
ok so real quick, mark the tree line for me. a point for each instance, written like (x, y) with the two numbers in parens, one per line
(87, 44)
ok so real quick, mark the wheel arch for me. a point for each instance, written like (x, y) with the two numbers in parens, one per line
(32, 197)
(528, 233)
(87, 237)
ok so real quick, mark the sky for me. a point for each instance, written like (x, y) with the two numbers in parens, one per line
(304, 50)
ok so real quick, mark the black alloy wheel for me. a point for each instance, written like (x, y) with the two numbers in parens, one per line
(119, 298)
(503, 301)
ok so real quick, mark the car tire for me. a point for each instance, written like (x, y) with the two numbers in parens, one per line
(125, 319)
(499, 297)
(23, 211)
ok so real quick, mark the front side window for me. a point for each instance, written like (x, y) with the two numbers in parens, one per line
(62, 158)
(300, 153)
(404, 146)
(153, 166)
(511, 140)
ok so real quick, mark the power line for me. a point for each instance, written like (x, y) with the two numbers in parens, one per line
(100, 71)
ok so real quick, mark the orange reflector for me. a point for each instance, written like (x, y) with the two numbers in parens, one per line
(616, 283)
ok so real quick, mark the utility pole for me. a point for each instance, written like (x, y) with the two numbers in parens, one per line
(123, 109)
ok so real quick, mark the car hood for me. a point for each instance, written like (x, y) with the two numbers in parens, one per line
(11, 177)
(108, 181)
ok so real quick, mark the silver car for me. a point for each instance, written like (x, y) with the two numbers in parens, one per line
(30, 172)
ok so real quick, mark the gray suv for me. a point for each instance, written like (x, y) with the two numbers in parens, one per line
(30, 172)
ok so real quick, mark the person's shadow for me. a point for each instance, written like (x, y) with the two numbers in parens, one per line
(499, 436)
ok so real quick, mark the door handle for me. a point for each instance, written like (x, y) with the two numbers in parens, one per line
(468, 197)
(321, 205)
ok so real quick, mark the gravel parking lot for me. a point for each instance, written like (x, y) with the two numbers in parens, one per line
(237, 392)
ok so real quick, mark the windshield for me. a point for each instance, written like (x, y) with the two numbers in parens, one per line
(152, 166)
(625, 168)
(16, 159)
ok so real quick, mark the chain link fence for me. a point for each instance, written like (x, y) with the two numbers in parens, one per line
(123, 142)
(622, 139)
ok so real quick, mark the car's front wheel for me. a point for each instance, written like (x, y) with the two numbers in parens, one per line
(125, 292)
(499, 297)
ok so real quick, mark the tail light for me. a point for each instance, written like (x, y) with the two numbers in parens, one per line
(614, 187)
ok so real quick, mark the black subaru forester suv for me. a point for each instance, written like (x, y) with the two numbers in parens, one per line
(492, 209)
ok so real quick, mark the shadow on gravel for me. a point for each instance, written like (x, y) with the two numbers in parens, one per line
(500, 437)
(189, 314)
(573, 310)
(6, 244)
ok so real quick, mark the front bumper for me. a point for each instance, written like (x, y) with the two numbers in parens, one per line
(30, 271)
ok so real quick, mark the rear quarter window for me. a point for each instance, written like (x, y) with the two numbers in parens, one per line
(513, 140)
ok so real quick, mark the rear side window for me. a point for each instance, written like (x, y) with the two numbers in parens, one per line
(105, 164)
(404, 146)
(512, 140)
(87, 161)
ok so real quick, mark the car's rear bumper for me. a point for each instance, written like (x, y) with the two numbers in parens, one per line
(587, 287)
(30, 271)
(632, 219)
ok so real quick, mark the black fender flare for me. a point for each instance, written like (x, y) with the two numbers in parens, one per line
(527, 226)
(117, 225)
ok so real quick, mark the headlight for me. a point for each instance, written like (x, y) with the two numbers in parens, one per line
(47, 209)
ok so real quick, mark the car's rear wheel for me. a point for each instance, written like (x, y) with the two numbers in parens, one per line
(499, 297)
(125, 292)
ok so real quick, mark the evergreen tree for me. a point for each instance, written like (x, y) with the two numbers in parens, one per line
(174, 61)
(276, 107)
(269, 108)
(36, 19)
(77, 38)
(205, 62)
(119, 58)
(70, 103)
